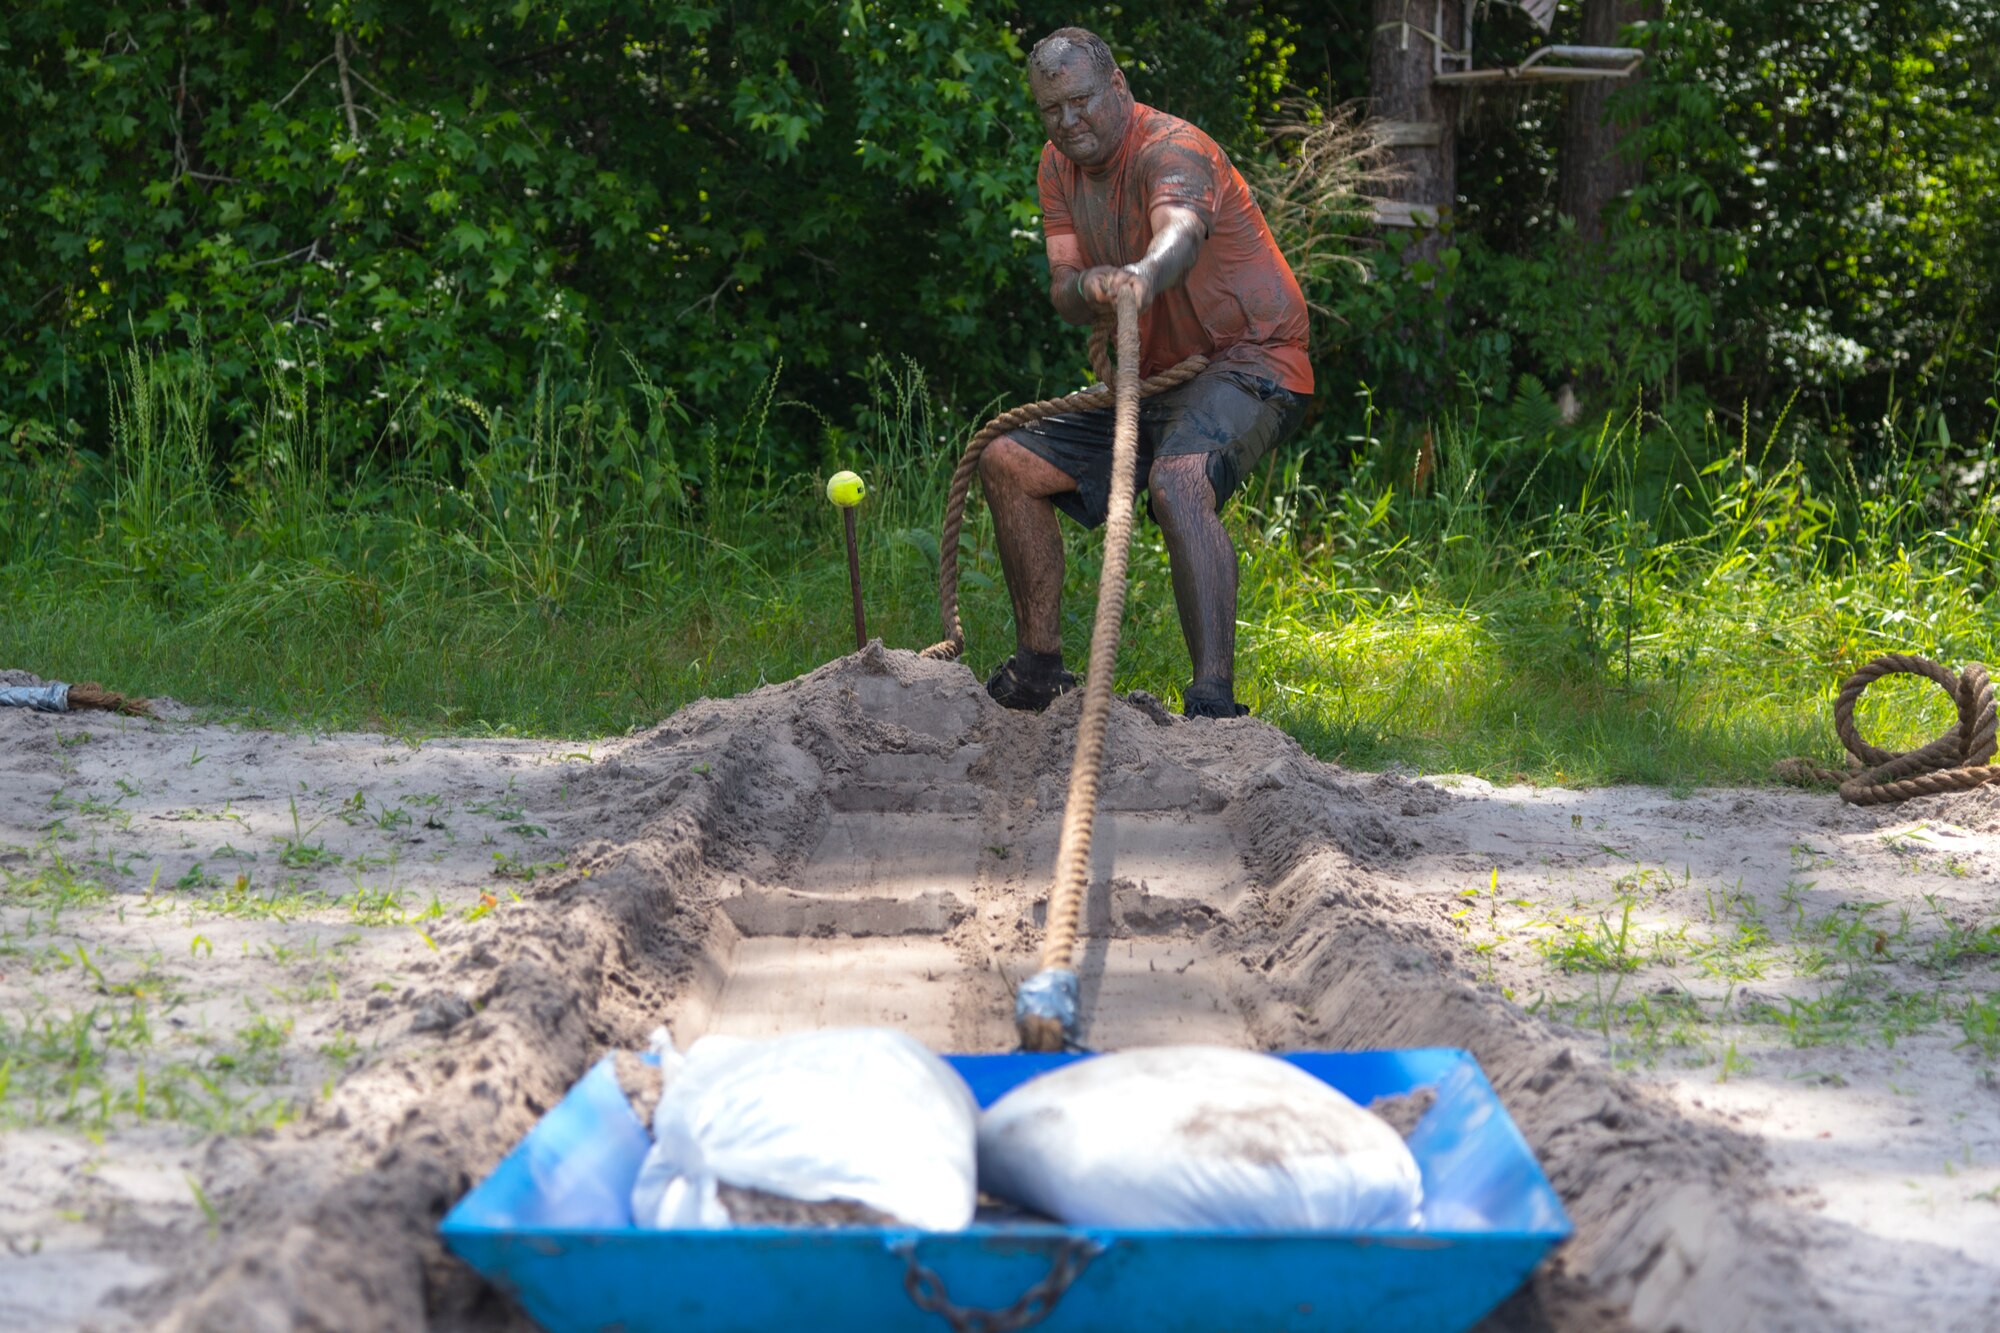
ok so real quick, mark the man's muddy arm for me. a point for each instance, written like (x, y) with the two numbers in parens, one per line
(1066, 269)
(1177, 236)
(1080, 294)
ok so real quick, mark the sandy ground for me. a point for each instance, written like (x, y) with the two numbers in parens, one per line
(270, 1003)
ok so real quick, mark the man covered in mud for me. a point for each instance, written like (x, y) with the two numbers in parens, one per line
(1135, 199)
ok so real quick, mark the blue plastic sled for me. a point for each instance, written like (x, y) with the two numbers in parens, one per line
(553, 1225)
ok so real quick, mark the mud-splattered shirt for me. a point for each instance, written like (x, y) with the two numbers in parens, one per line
(1240, 304)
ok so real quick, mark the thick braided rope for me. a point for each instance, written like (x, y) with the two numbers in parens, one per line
(92, 695)
(1098, 395)
(1959, 760)
(1072, 876)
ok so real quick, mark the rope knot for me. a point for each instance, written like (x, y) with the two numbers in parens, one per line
(1045, 1010)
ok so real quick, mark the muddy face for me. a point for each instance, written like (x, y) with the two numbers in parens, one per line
(1084, 111)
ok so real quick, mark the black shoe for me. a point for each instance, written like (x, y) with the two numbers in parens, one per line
(1212, 698)
(1030, 686)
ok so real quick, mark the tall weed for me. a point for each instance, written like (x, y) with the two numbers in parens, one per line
(162, 511)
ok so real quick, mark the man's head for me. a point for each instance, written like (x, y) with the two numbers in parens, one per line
(1080, 94)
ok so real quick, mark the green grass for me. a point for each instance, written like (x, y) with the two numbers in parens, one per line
(123, 1053)
(52, 884)
(90, 1069)
(1980, 1020)
(1857, 999)
(1576, 945)
(1679, 612)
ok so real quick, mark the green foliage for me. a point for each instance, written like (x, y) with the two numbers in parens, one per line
(1854, 148)
(508, 320)
(445, 198)
(1811, 232)
(443, 194)
(1800, 222)
(451, 199)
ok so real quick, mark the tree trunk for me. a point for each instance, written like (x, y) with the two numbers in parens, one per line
(1592, 172)
(1419, 118)
(1418, 128)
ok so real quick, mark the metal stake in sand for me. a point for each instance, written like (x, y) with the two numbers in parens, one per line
(846, 490)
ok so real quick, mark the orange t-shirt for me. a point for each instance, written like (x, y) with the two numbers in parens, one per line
(1239, 305)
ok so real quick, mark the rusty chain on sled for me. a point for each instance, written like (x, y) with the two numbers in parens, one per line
(1038, 1302)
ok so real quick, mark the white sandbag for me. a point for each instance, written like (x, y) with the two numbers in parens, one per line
(860, 1114)
(1195, 1137)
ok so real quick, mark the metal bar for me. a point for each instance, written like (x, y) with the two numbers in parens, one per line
(1540, 74)
(1598, 62)
(1610, 55)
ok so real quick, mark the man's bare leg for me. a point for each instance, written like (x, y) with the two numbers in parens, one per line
(1202, 560)
(1018, 485)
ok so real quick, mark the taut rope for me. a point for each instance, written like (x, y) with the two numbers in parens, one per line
(1045, 1009)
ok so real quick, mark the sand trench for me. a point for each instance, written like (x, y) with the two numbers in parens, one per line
(870, 844)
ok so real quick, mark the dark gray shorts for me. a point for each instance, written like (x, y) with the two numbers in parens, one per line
(1233, 417)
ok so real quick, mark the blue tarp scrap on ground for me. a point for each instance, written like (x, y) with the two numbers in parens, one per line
(48, 698)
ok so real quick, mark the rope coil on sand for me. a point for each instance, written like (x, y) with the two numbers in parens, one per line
(1959, 760)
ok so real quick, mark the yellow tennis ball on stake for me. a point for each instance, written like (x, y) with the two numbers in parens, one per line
(845, 489)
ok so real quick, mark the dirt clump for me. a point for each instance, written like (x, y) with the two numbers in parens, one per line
(1404, 1109)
